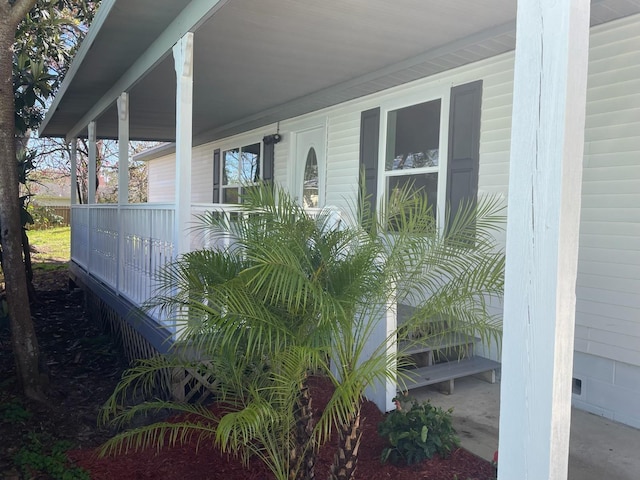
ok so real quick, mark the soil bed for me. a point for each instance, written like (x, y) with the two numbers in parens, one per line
(84, 367)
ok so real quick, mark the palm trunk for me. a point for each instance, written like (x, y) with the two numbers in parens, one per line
(346, 458)
(303, 456)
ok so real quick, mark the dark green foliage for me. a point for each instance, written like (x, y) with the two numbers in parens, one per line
(43, 217)
(33, 460)
(13, 412)
(417, 433)
(46, 40)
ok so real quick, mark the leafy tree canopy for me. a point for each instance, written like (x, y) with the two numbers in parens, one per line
(46, 41)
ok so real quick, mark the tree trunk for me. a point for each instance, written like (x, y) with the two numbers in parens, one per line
(23, 337)
(303, 456)
(346, 458)
(28, 265)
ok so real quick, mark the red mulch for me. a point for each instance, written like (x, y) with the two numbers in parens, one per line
(182, 462)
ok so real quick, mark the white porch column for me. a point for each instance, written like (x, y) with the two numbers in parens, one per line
(123, 148)
(547, 142)
(73, 161)
(123, 180)
(183, 57)
(91, 181)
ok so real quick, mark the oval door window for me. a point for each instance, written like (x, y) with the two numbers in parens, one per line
(310, 186)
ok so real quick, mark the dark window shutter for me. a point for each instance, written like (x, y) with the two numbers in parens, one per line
(267, 163)
(369, 142)
(216, 176)
(464, 146)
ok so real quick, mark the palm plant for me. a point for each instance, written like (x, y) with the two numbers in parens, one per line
(295, 294)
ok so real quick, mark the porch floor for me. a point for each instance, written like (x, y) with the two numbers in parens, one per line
(600, 448)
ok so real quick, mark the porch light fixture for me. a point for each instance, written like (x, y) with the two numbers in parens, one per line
(272, 139)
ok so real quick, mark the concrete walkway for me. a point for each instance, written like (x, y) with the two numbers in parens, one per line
(600, 448)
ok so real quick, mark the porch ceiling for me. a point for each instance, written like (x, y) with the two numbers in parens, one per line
(260, 62)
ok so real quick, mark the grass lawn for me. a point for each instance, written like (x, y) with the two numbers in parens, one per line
(50, 246)
(50, 249)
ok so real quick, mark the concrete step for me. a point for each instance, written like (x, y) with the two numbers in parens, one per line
(444, 374)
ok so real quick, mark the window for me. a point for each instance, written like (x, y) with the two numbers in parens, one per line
(413, 150)
(310, 192)
(240, 166)
(426, 148)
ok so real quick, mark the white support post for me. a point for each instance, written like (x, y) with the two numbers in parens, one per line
(73, 194)
(183, 57)
(73, 161)
(123, 149)
(547, 142)
(91, 187)
(92, 181)
(123, 179)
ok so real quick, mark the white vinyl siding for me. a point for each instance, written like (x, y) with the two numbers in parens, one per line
(343, 150)
(202, 175)
(281, 169)
(162, 179)
(162, 174)
(608, 290)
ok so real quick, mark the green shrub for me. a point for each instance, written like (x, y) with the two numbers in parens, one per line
(44, 217)
(35, 460)
(13, 412)
(417, 433)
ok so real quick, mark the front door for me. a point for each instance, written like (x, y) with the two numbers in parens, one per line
(310, 163)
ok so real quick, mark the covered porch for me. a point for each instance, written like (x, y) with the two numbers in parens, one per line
(308, 57)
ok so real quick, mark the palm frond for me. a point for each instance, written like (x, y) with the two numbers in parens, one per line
(294, 294)
(158, 435)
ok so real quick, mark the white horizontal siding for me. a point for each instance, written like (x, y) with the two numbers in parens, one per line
(162, 175)
(495, 132)
(614, 284)
(608, 293)
(202, 174)
(162, 179)
(614, 256)
(343, 152)
(611, 173)
(622, 228)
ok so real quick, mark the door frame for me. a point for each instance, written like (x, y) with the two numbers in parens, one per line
(298, 164)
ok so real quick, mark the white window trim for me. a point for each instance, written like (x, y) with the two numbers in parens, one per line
(239, 143)
(442, 93)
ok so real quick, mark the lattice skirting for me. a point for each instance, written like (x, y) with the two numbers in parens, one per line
(190, 384)
(135, 345)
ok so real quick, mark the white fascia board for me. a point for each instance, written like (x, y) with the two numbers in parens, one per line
(155, 152)
(98, 21)
(196, 13)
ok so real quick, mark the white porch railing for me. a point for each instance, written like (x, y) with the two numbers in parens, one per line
(126, 246)
(147, 245)
(201, 238)
(123, 247)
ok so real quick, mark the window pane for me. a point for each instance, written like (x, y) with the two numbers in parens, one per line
(427, 182)
(250, 163)
(231, 168)
(310, 186)
(413, 135)
(230, 195)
